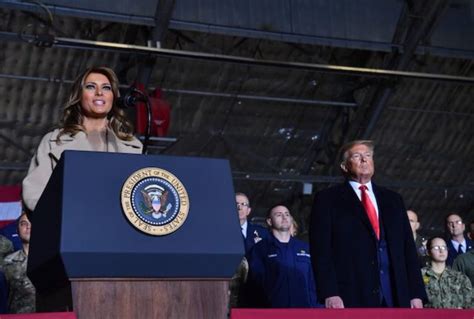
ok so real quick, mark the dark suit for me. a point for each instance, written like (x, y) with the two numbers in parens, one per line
(255, 233)
(345, 250)
(453, 253)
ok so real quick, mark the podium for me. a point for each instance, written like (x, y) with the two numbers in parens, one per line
(81, 236)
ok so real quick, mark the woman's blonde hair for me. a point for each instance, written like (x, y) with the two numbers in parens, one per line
(71, 122)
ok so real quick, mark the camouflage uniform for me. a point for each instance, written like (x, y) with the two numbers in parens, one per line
(450, 290)
(6, 247)
(237, 285)
(21, 298)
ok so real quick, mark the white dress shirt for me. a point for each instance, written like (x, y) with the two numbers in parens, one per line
(456, 245)
(370, 192)
(244, 229)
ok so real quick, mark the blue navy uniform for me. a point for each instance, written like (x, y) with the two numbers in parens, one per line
(255, 233)
(280, 274)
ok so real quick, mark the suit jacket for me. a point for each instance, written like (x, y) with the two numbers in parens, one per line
(255, 233)
(452, 253)
(49, 152)
(344, 248)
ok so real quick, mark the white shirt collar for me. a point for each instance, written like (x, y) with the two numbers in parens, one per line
(456, 245)
(244, 229)
(370, 191)
(355, 185)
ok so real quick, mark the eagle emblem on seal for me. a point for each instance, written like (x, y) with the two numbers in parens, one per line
(155, 200)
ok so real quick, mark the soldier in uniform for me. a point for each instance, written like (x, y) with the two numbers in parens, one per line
(6, 247)
(21, 297)
(280, 272)
(236, 285)
(420, 242)
(446, 288)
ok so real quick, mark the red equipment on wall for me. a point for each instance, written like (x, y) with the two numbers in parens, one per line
(160, 113)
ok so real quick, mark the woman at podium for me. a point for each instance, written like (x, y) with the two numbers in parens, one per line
(91, 121)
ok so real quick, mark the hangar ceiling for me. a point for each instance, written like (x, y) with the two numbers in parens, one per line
(274, 86)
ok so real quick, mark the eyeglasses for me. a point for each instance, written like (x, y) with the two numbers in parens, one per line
(439, 248)
(243, 204)
(456, 222)
(360, 156)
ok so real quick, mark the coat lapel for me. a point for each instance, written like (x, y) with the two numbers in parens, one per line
(117, 145)
(355, 205)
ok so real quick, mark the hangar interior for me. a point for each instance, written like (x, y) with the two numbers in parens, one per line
(274, 86)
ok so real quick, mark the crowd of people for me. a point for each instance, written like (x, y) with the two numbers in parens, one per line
(363, 250)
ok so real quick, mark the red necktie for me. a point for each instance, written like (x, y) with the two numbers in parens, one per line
(370, 209)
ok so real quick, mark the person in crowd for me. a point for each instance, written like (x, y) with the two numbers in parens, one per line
(457, 243)
(251, 233)
(280, 272)
(446, 288)
(294, 228)
(10, 231)
(420, 242)
(6, 247)
(237, 288)
(470, 233)
(465, 264)
(91, 121)
(21, 297)
(361, 243)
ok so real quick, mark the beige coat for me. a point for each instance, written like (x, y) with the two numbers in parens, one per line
(49, 152)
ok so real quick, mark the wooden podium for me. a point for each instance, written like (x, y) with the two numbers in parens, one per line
(150, 298)
(84, 251)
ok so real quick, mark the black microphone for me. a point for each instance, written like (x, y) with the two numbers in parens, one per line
(131, 97)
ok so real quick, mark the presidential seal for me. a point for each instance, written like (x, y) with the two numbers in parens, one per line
(155, 201)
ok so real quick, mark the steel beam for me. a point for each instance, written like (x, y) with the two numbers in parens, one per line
(328, 68)
(33, 6)
(200, 93)
(324, 68)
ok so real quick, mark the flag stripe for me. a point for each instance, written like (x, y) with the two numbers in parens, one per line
(11, 193)
(10, 202)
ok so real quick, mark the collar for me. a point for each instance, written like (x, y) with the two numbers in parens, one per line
(79, 142)
(244, 228)
(355, 185)
(456, 244)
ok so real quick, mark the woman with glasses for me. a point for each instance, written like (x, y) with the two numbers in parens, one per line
(91, 121)
(446, 288)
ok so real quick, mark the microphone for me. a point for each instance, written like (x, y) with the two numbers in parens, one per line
(131, 97)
